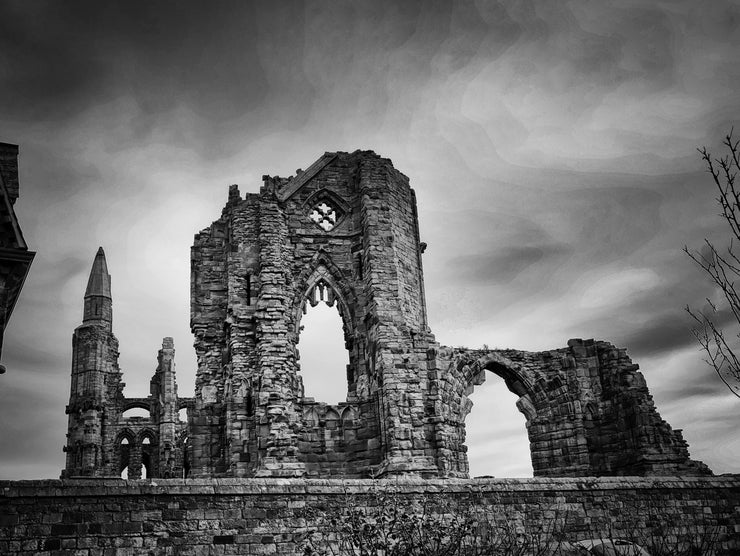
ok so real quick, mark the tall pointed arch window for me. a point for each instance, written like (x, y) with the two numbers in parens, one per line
(323, 351)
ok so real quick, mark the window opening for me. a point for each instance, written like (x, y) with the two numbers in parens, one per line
(146, 463)
(496, 433)
(249, 289)
(324, 215)
(136, 413)
(124, 473)
(323, 354)
(124, 441)
(146, 440)
(182, 415)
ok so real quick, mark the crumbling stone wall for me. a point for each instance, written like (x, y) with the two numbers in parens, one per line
(273, 516)
(345, 232)
(587, 407)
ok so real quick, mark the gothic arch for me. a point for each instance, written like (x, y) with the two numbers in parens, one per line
(468, 370)
(136, 404)
(323, 269)
(520, 382)
(126, 433)
(147, 433)
(123, 450)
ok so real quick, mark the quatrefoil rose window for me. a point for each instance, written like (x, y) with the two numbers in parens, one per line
(325, 215)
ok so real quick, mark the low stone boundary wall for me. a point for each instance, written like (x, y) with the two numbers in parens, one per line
(272, 516)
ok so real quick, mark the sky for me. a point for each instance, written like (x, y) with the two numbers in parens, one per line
(552, 147)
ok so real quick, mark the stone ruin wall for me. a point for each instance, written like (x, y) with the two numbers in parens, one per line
(587, 407)
(273, 516)
(345, 231)
(101, 440)
(589, 414)
(255, 269)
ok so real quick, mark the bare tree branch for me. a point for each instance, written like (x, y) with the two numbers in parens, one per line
(723, 269)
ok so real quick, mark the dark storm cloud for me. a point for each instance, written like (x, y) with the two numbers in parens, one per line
(504, 266)
(699, 382)
(60, 170)
(617, 220)
(60, 57)
(30, 434)
(662, 334)
(669, 332)
(504, 246)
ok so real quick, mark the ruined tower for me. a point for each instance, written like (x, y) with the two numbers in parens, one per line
(94, 369)
(345, 232)
(101, 440)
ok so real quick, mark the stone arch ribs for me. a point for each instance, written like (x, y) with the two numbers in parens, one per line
(137, 403)
(322, 273)
(467, 369)
(547, 397)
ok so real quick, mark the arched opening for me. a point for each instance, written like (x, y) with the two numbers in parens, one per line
(182, 415)
(125, 442)
(146, 440)
(323, 355)
(185, 458)
(136, 413)
(496, 434)
(146, 464)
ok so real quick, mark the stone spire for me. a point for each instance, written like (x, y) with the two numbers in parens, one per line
(98, 301)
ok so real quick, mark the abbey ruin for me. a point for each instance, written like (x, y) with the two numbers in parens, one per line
(250, 465)
(343, 232)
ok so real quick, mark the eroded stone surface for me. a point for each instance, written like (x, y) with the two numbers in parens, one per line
(101, 440)
(347, 228)
(273, 516)
(345, 232)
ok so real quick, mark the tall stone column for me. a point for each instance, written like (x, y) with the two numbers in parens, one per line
(277, 411)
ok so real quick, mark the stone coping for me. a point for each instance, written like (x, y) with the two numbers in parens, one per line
(269, 486)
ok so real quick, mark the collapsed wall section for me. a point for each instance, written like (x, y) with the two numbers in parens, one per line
(587, 407)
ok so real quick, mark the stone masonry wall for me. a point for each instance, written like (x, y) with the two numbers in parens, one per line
(273, 516)
(343, 232)
(588, 411)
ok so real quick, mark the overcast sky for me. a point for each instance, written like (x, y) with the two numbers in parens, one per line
(551, 146)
